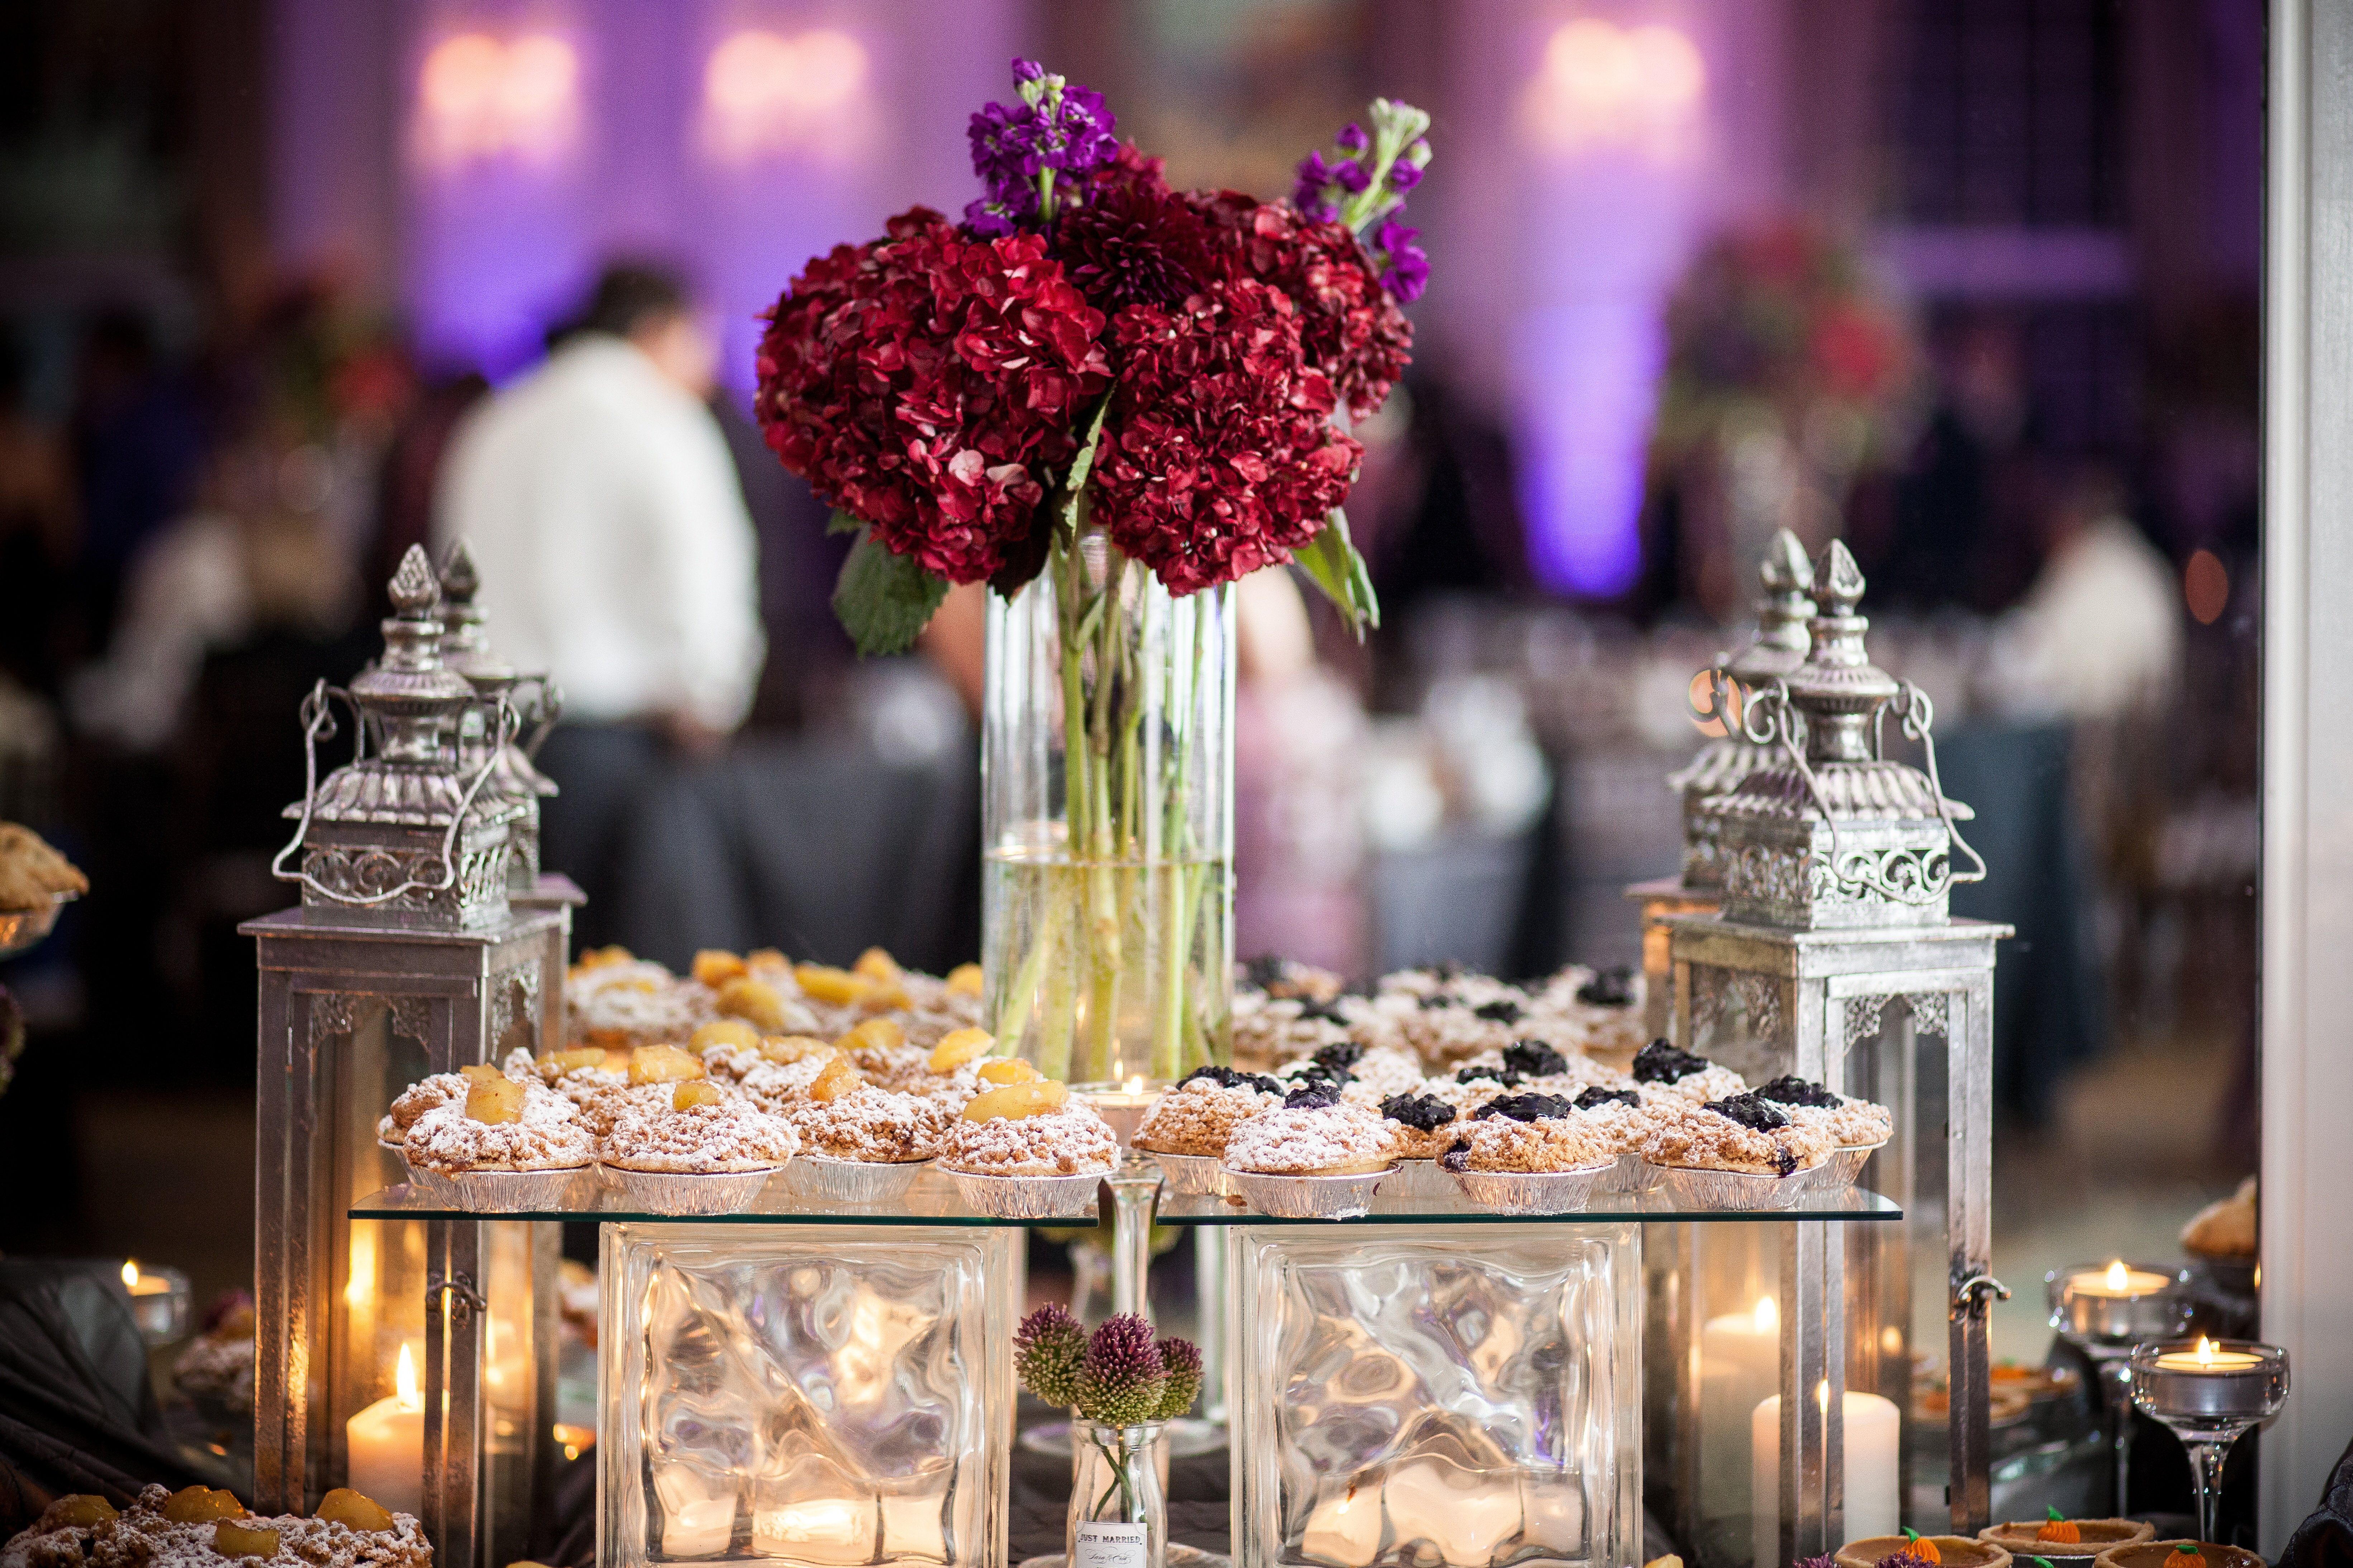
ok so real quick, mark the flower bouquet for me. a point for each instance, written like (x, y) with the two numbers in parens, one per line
(1123, 1388)
(1108, 400)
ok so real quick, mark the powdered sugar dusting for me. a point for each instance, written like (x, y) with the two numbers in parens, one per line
(728, 1136)
(1066, 1142)
(1305, 1142)
(1198, 1118)
(869, 1123)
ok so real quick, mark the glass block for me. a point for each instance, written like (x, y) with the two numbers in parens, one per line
(1464, 1399)
(824, 1398)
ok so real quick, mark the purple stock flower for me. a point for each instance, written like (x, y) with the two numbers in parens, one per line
(1122, 1379)
(1403, 176)
(985, 220)
(1353, 140)
(1350, 176)
(1068, 130)
(1407, 272)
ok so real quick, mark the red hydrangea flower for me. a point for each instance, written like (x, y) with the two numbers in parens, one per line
(924, 381)
(1219, 456)
(1351, 327)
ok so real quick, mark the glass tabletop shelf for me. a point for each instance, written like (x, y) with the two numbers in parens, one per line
(933, 1200)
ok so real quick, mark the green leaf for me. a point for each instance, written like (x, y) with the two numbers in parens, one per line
(1083, 465)
(842, 522)
(883, 600)
(1331, 561)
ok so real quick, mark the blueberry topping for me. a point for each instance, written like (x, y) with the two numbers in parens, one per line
(1227, 1078)
(1311, 1097)
(1659, 1062)
(1534, 1058)
(1609, 988)
(1422, 1113)
(1457, 1158)
(1340, 1058)
(1314, 1072)
(1439, 999)
(1504, 1076)
(1593, 1094)
(1790, 1089)
(1750, 1110)
(1324, 1013)
(1503, 1011)
(1522, 1107)
(1450, 970)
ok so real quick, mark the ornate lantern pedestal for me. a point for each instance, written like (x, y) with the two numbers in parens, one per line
(403, 958)
(1837, 863)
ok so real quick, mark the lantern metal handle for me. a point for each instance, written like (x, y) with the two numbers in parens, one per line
(317, 723)
(1976, 1295)
(543, 719)
(1918, 716)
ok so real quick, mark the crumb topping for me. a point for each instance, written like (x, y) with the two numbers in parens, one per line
(446, 1139)
(1705, 1139)
(425, 1094)
(728, 1136)
(1071, 1141)
(1545, 1145)
(1199, 1115)
(141, 1537)
(872, 1124)
(1310, 1141)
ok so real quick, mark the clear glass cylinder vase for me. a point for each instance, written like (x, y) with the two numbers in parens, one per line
(1107, 821)
(1119, 1506)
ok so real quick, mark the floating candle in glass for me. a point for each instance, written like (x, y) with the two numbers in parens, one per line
(159, 1302)
(1122, 1105)
(2104, 1309)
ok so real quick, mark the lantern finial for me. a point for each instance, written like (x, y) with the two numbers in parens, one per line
(460, 580)
(414, 589)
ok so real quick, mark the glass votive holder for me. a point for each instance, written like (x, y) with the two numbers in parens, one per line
(159, 1302)
(2116, 1304)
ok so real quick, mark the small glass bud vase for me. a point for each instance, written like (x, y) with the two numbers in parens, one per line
(1119, 1503)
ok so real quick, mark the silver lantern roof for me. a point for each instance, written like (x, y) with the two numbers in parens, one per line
(1833, 832)
(402, 835)
(1778, 649)
(514, 778)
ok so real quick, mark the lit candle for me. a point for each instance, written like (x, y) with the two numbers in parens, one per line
(2118, 1282)
(1873, 1489)
(1346, 1528)
(1123, 1107)
(386, 1443)
(2206, 1358)
(159, 1302)
(1739, 1364)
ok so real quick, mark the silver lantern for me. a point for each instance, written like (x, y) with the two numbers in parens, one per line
(1833, 956)
(514, 777)
(404, 957)
(1777, 650)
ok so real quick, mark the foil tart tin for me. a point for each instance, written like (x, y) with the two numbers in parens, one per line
(1628, 1175)
(1194, 1175)
(1532, 1192)
(1692, 1187)
(1028, 1197)
(1844, 1168)
(1306, 1197)
(513, 1192)
(1421, 1179)
(824, 1179)
(687, 1192)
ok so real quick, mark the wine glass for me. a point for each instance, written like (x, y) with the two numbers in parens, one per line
(2209, 1392)
(2104, 1309)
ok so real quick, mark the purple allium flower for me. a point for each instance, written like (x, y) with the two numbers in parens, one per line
(1403, 176)
(1824, 1560)
(1048, 1349)
(1181, 1359)
(1350, 176)
(1407, 272)
(1121, 1381)
(1353, 140)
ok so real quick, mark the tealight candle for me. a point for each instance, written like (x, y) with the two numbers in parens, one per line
(2206, 1358)
(159, 1302)
(2119, 1302)
(1123, 1107)
(2117, 1280)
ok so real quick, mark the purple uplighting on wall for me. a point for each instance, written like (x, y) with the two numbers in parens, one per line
(1582, 441)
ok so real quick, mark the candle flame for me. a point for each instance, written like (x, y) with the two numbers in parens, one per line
(1769, 1316)
(2205, 1350)
(2118, 1278)
(1136, 1085)
(130, 1273)
(404, 1381)
(1822, 1395)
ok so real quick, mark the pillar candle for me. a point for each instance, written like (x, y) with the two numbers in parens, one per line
(1874, 1486)
(385, 1445)
(1739, 1364)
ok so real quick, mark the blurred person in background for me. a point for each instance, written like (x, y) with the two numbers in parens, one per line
(604, 513)
(138, 450)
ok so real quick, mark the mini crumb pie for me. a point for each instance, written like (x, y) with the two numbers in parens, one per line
(707, 1150)
(1618, 1117)
(1528, 1154)
(1287, 979)
(1422, 1124)
(612, 999)
(1187, 1128)
(197, 1528)
(860, 1143)
(1732, 1153)
(1269, 1029)
(1028, 1151)
(1375, 1073)
(508, 1147)
(1660, 1070)
(1313, 1157)
(1856, 1127)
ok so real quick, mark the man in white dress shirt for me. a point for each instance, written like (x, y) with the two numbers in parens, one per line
(605, 516)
